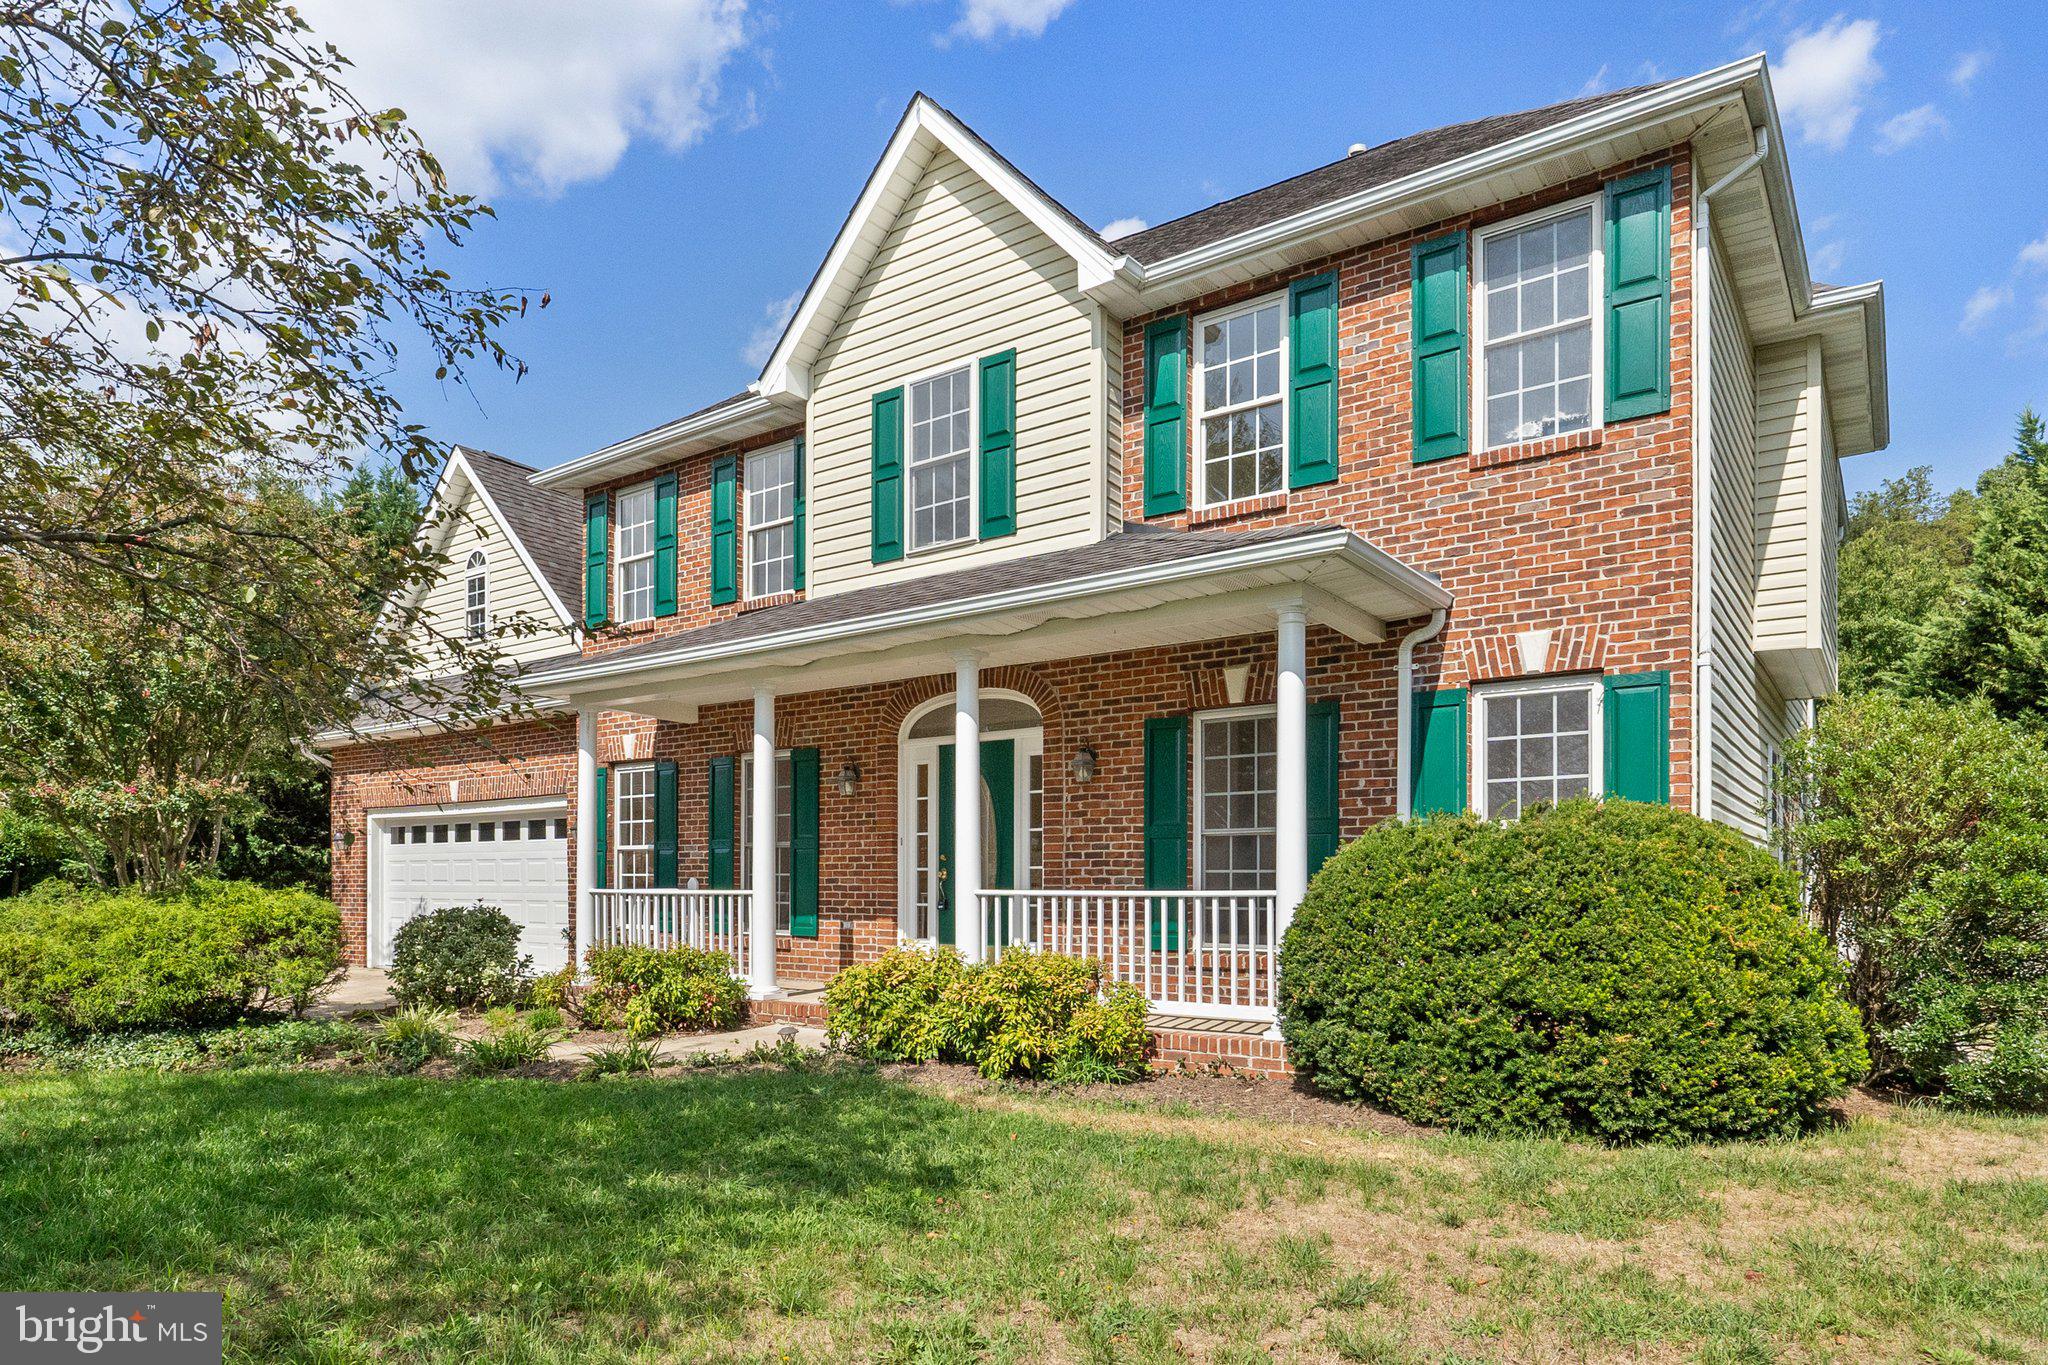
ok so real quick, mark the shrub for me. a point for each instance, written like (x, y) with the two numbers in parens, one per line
(1029, 1014)
(1924, 829)
(1615, 969)
(648, 991)
(557, 988)
(513, 1041)
(91, 960)
(888, 1010)
(284, 1042)
(462, 956)
(413, 1034)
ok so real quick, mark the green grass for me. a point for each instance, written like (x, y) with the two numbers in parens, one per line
(829, 1214)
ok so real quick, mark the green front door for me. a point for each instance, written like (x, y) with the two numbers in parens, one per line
(999, 827)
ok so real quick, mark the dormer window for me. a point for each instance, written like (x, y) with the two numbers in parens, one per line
(634, 547)
(476, 603)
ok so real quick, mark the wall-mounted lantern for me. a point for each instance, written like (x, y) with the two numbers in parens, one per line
(1083, 765)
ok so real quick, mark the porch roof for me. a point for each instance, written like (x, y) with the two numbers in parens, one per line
(1133, 589)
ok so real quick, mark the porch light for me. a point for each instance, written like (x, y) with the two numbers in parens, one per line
(1083, 764)
(849, 778)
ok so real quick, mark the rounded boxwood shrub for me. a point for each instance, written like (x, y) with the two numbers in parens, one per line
(461, 956)
(85, 959)
(1614, 969)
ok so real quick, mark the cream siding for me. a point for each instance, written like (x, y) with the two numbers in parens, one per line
(513, 592)
(1791, 627)
(961, 275)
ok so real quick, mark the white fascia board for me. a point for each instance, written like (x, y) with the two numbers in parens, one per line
(518, 546)
(1866, 300)
(419, 726)
(1427, 589)
(585, 469)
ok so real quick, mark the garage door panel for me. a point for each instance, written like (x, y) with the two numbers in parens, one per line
(519, 864)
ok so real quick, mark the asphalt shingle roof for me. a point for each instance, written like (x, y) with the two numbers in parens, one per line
(547, 522)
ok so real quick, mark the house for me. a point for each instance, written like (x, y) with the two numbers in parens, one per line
(1085, 594)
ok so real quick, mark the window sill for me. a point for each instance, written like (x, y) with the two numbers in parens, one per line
(1589, 439)
(774, 599)
(1231, 511)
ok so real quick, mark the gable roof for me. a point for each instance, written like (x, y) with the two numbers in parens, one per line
(543, 523)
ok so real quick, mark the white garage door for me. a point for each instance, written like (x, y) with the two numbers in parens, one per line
(515, 860)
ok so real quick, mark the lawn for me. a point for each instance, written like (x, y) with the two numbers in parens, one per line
(836, 1214)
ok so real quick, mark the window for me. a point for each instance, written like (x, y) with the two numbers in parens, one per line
(1240, 400)
(1236, 776)
(1538, 743)
(1536, 301)
(633, 826)
(941, 485)
(476, 616)
(784, 804)
(635, 553)
(771, 521)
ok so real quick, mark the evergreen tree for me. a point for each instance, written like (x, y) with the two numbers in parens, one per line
(1903, 554)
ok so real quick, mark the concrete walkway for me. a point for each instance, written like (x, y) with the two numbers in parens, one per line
(369, 989)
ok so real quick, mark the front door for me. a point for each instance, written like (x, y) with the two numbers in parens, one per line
(932, 906)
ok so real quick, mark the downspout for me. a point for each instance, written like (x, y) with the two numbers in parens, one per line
(1702, 477)
(1404, 706)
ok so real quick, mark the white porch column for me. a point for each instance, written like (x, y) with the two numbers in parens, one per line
(966, 872)
(589, 819)
(761, 853)
(1290, 813)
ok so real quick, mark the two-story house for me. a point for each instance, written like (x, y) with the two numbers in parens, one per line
(1086, 594)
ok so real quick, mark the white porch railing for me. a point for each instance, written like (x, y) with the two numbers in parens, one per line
(1203, 953)
(713, 920)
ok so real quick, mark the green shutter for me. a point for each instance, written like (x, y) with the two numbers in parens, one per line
(725, 530)
(1312, 357)
(596, 542)
(665, 823)
(803, 843)
(600, 829)
(1639, 295)
(798, 581)
(1322, 782)
(1166, 427)
(718, 803)
(665, 545)
(1437, 752)
(998, 445)
(1166, 818)
(885, 492)
(1637, 738)
(1438, 308)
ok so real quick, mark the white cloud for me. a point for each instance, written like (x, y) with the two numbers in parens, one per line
(1827, 258)
(1903, 130)
(1977, 310)
(534, 93)
(1967, 68)
(761, 343)
(2034, 254)
(1596, 84)
(1824, 76)
(1121, 227)
(986, 21)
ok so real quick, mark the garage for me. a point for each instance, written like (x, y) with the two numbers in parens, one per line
(515, 859)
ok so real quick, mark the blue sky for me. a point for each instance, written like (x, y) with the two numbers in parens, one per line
(671, 171)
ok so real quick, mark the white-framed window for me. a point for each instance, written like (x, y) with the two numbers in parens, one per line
(476, 589)
(785, 828)
(1536, 310)
(633, 553)
(633, 826)
(1241, 401)
(1536, 742)
(1237, 778)
(771, 521)
(940, 486)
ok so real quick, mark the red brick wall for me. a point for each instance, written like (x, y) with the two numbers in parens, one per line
(1589, 535)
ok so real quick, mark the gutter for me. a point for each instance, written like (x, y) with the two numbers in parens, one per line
(571, 474)
(1404, 720)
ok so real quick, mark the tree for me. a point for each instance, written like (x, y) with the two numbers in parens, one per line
(1903, 554)
(1991, 640)
(212, 260)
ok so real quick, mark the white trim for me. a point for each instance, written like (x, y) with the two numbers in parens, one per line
(1198, 790)
(614, 845)
(1030, 740)
(1596, 318)
(1592, 684)
(742, 851)
(588, 469)
(970, 456)
(512, 537)
(1427, 588)
(1198, 457)
(478, 572)
(747, 527)
(618, 560)
(373, 827)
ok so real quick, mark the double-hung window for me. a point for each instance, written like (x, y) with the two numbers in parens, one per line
(476, 610)
(634, 511)
(633, 825)
(1536, 303)
(941, 458)
(771, 521)
(1537, 743)
(785, 791)
(1241, 401)
(1236, 781)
